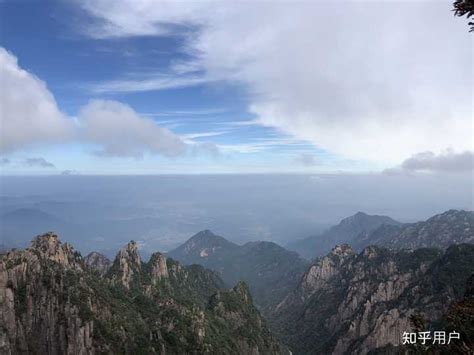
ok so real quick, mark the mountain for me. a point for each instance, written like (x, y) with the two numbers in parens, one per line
(439, 231)
(204, 248)
(345, 232)
(349, 302)
(270, 270)
(52, 302)
(98, 262)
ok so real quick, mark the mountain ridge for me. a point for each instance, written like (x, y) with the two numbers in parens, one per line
(349, 302)
(54, 303)
(269, 269)
(361, 230)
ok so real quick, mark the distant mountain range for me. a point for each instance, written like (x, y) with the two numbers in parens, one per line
(362, 230)
(270, 270)
(54, 303)
(345, 232)
(439, 231)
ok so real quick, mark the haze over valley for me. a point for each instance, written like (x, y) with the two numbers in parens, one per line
(102, 212)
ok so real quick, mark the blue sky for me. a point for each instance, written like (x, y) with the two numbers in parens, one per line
(144, 87)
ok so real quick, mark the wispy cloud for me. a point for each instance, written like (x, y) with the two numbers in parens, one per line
(191, 136)
(258, 145)
(39, 163)
(197, 112)
(69, 172)
(241, 123)
(138, 84)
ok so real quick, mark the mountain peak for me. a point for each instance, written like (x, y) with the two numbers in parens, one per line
(98, 262)
(130, 252)
(158, 267)
(342, 250)
(205, 234)
(46, 242)
(201, 245)
(242, 290)
(50, 247)
(127, 264)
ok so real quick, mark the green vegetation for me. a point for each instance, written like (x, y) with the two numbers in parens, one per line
(146, 316)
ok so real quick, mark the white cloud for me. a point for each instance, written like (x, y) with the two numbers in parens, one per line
(448, 161)
(28, 112)
(30, 116)
(366, 80)
(121, 132)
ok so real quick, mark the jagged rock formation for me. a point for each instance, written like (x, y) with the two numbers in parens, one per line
(98, 262)
(158, 268)
(356, 303)
(344, 233)
(127, 265)
(51, 302)
(270, 270)
(439, 231)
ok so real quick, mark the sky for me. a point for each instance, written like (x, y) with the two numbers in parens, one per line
(159, 87)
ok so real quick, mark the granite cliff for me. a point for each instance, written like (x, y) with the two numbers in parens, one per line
(52, 302)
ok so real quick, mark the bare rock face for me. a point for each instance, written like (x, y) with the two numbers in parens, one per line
(349, 303)
(36, 318)
(49, 247)
(127, 264)
(328, 266)
(158, 269)
(98, 262)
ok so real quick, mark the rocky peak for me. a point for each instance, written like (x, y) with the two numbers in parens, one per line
(325, 268)
(158, 267)
(130, 253)
(242, 291)
(127, 264)
(342, 251)
(50, 247)
(98, 262)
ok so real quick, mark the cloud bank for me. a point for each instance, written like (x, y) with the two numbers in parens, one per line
(448, 161)
(121, 132)
(365, 80)
(29, 114)
(31, 117)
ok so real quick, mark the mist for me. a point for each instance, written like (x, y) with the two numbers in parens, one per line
(160, 212)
